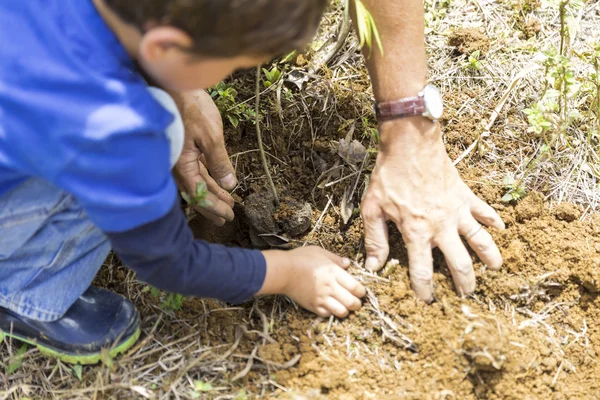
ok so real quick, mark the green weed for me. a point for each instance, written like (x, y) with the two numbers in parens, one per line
(16, 362)
(224, 97)
(515, 190)
(272, 76)
(170, 301)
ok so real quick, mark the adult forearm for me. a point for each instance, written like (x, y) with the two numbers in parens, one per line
(401, 70)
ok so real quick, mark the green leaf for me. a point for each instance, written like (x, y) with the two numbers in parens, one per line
(186, 197)
(201, 386)
(78, 371)
(233, 120)
(16, 363)
(241, 395)
(201, 190)
(507, 198)
(288, 57)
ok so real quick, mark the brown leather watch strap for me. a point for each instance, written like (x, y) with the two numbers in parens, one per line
(408, 107)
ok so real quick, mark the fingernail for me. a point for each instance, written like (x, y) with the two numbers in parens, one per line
(346, 262)
(228, 182)
(372, 264)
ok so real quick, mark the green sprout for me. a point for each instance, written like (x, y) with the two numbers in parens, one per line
(515, 190)
(171, 302)
(16, 362)
(474, 62)
(272, 76)
(199, 199)
(224, 97)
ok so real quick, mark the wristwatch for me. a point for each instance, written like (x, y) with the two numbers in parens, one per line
(427, 103)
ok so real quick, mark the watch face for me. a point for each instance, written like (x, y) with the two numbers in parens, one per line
(433, 102)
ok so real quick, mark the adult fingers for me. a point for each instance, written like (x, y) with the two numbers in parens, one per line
(482, 242)
(420, 262)
(459, 261)
(347, 299)
(215, 209)
(336, 308)
(212, 217)
(219, 165)
(214, 187)
(485, 214)
(376, 235)
(350, 284)
(204, 124)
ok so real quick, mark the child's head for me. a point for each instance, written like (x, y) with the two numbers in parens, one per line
(194, 44)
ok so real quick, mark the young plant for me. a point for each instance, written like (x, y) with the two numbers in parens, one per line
(224, 96)
(272, 76)
(554, 111)
(199, 198)
(16, 362)
(171, 302)
(263, 155)
(474, 62)
(515, 190)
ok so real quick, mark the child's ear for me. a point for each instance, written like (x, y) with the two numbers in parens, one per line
(159, 41)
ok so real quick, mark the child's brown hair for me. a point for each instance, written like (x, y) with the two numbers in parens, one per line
(228, 28)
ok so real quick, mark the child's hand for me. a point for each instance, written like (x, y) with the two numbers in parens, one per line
(314, 278)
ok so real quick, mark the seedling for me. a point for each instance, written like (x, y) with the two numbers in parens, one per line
(272, 76)
(199, 199)
(474, 62)
(172, 301)
(224, 96)
(515, 190)
(17, 361)
(78, 372)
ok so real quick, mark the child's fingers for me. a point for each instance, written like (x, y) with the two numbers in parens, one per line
(336, 308)
(322, 312)
(351, 284)
(347, 299)
(341, 261)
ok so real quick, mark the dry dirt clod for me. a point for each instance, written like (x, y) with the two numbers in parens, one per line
(298, 219)
(530, 207)
(567, 212)
(259, 209)
(469, 40)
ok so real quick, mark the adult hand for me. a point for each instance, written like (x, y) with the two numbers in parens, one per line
(204, 157)
(415, 185)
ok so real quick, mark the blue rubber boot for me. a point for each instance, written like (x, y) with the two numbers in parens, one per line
(98, 320)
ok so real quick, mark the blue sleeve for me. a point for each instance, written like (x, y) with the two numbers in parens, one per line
(118, 167)
(164, 254)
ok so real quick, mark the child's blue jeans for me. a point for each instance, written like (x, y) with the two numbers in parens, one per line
(49, 250)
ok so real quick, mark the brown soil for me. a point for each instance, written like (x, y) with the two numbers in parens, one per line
(529, 332)
(469, 40)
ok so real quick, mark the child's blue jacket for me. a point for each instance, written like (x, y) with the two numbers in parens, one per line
(75, 112)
